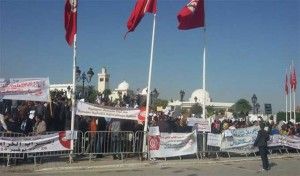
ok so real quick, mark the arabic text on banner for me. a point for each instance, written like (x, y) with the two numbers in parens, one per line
(172, 144)
(88, 109)
(40, 143)
(32, 89)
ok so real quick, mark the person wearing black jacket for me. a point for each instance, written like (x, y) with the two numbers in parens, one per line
(261, 143)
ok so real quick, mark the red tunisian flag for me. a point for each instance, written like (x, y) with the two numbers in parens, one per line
(286, 85)
(192, 15)
(70, 20)
(294, 80)
(141, 7)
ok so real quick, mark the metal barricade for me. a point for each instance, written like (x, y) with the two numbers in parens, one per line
(108, 142)
(138, 144)
(10, 156)
(77, 149)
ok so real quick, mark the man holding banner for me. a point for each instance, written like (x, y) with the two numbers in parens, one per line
(261, 142)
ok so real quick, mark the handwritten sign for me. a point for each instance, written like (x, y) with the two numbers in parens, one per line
(200, 123)
(214, 139)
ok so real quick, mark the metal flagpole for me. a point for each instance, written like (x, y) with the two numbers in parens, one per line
(294, 88)
(149, 86)
(286, 99)
(73, 93)
(295, 119)
(203, 87)
(290, 95)
(286, 109)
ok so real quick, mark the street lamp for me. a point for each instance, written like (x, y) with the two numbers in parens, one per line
(182, 93)
(195, 98)
(254, 101)
(84, 77)
(154, 94)
(257, 106)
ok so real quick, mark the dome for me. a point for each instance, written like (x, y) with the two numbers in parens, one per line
(123, 86)
(200, 94)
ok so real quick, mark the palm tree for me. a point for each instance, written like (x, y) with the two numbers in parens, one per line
(242, 107)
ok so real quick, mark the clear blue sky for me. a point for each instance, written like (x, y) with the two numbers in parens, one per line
(250, 44)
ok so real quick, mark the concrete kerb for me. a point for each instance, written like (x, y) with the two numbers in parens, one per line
(157, 163)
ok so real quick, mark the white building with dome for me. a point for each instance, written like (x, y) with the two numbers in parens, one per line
(198, 96)
(123, 89)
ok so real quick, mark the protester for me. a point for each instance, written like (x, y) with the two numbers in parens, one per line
(115, 127)
(40, 125)
(261, 142)
(3, 126)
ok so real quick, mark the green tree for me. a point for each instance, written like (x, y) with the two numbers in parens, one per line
(106, 94)
(281, 116)
(196, 109)
(160, 102)
(91, 94)
(241, 108)
(210, 110)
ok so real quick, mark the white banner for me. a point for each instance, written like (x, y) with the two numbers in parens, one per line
(240, 140)
(88, 109)
(282, 140)
(201, 124)
(172, 144)
(32, 89)
(40, 143)
(214, 139)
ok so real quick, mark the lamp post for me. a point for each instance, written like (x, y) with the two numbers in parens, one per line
(182, 93)
(257, 106)
(84, 77)
(254, 102)
(154, 94)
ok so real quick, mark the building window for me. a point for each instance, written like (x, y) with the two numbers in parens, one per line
(101, 79)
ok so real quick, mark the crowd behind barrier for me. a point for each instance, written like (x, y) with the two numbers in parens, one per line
(101, 137)
(126, 144)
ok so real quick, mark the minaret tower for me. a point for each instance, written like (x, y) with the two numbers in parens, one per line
(103, 80)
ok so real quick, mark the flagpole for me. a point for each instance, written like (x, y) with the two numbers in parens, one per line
(203, 87)
(74, 88)
(294, 88)
(286, 96)
(149, 85)
(295, 105)
(290, 94)
(286, 108)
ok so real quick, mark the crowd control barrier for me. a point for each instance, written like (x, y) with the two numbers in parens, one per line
(11, 156)
(125, 144)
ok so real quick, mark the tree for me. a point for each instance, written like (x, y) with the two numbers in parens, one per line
(160, 102)
(91, 94)
(241, 108)
(196, 109)
(281, 116)
(106, 94)
(210, 110)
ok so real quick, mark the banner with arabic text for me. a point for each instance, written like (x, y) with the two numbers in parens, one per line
(31, 89)
(41, 143)
(88, 109)
(172, 144)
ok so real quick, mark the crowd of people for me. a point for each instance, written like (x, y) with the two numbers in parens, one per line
(28, 117)
(281, 127)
